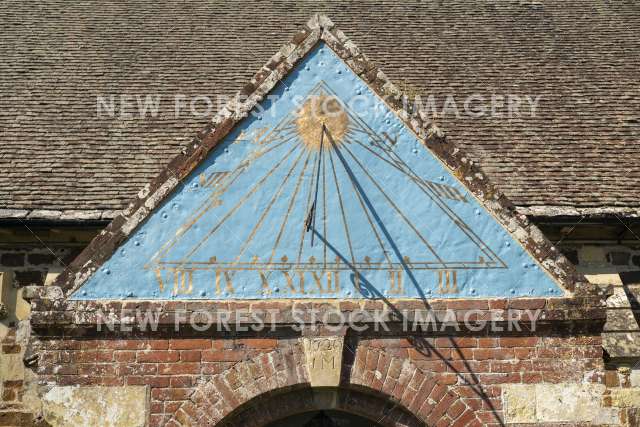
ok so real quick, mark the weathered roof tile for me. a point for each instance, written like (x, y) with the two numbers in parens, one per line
(580, 152)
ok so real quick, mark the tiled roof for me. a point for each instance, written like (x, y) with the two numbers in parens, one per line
(581, 151)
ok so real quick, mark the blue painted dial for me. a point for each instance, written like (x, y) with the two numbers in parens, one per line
(321, 193)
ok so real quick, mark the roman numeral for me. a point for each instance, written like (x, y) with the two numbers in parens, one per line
(331, 279)
(292, 287)
(447, 282)
(220, 276)
(395, 285)
(182, 282)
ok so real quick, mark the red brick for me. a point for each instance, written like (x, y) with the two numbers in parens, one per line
(170, 393)
(524, 352)
(156, 407)
(223, 355)
(158, 356)
(498, 304)
(228, 396)
(456, 409)
(487, 342)
(171, 407)
(473, 404)
(138, 369)
(469, 304)
(155, 344)
(519, 366)
(493, 353)
(212, 368)
(372, 360)
(124, 356)
(438, 392)
(559, 376)
(382, 367)
(531, 377)
(111, 381)
(184, 381)
(394, 368)
(77, 380)
(440, 408)
(268, 343)
(456, 342)
(190, 344)
(513, 377)
(448, 379)
(97, 369)
(464, 420)
(190, 355)
(463, 366)
(527, 303)
(432, 365)
(180, 368)
(461, 353)
(65, 369)
(93, 356)
(148, 380)
(420, 397)
(518, 341)
(556, 353)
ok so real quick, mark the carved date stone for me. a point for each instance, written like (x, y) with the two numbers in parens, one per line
(324, 360)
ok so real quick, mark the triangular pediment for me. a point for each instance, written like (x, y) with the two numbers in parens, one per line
(280, 200)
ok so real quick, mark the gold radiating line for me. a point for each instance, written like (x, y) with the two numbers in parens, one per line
(344, 217)
(239, 203)
(415, 230)
(270, 205)
(303, 228)
(291, 202)
(324, 216)
(452, 215)
(211, 202)
(365, 129)
(366, 212)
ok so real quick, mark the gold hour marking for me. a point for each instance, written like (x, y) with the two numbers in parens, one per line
(447, 282)
(396, 282)
(159, 277)
(220, 276)
(182, 281)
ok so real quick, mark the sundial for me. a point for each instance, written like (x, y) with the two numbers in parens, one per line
(322, 192)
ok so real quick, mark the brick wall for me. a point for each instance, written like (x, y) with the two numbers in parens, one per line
(475, 368)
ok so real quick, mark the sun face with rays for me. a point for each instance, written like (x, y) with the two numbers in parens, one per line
(319, 110)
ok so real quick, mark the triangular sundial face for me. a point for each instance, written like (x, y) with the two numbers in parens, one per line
(322, 193)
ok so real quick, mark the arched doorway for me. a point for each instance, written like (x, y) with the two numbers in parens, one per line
(324, 418)
(274, 386)
(321, 407)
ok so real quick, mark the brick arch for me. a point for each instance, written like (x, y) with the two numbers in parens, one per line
(396, 386)
(420, 392)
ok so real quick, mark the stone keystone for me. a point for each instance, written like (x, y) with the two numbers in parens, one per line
(324, 360)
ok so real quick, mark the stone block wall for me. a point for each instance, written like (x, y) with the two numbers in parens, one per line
(26, 260)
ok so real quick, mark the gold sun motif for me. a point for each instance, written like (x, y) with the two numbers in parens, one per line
(319, 109)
